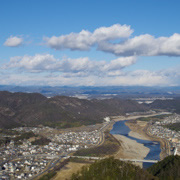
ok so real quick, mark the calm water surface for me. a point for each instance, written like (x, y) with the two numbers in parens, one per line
(154, 146)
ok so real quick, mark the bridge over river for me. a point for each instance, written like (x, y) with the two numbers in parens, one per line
(132, 160)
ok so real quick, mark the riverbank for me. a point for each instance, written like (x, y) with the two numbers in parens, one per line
(139, 129)
(130, 149)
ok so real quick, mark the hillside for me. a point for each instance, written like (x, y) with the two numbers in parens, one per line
(31, 109)
(171, 105)
(12, 104)
(167, 169)
(112, 169)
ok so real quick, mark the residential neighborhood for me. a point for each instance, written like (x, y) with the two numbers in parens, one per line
(27, 160)
(160, 129)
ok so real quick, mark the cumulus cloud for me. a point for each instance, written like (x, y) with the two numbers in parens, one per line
(119, 63)
(35, 63)
(48, 70)
(13, 41)
(84, 40)
(81, 66)
(142, 45)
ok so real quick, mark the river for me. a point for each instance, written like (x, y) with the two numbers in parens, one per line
(154, 146)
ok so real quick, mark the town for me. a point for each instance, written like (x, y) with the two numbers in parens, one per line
(27, 160)
(160, 129)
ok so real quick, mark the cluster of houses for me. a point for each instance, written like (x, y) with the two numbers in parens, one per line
(159, 129)
(26, 160)
(23, 169)
(56, 149)
(77, 138)
(175, 118)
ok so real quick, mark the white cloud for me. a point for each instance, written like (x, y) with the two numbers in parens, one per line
(47, 70)
(84, 40)
(35, 63)
(139, 77)
(144, 45)
(119, 63)
(13, 41)
(82, 66)
(76, 65)
(113, 32)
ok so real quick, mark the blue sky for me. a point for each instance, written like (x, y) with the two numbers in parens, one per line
(124, 42)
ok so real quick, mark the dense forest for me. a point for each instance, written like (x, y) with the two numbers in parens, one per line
(167, 169)
(112, 169)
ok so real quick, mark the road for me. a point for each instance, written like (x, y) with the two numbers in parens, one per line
(57, 159)
(52, 164)
(132, 160)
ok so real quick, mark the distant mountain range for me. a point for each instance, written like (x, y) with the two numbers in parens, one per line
(32, 109)
(97, 92)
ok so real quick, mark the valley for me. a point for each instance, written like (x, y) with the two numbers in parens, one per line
(73, 128)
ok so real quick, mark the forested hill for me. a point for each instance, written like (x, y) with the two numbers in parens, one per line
(31, 109)
(112, 169)
(171, 105)
(167, 169)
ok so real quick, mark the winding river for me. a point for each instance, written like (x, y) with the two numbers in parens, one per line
(154, 146)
